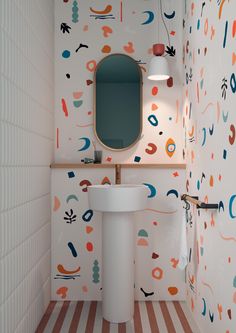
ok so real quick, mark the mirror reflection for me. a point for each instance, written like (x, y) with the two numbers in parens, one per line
(118, 101)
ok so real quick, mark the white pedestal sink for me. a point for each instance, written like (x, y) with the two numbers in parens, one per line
(118, 202)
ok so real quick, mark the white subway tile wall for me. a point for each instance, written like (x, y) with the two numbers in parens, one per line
(26, 151)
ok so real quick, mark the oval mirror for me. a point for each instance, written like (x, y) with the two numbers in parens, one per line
(118, 102)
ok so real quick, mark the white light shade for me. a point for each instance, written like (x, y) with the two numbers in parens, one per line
(158, 69)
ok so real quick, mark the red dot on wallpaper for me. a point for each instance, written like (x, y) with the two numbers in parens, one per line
(89, 247)
(234, 28)
(154, 91)
(66, 0)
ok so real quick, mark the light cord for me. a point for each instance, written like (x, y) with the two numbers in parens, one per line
(168, 36)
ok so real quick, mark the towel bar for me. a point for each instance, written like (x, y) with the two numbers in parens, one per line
(200, 205)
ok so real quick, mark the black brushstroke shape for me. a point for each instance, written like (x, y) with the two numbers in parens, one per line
(224, 87)
(65, 28)
(203, 5)
(211, 130)
(103, 17)
(81, 46)
(147, 294)
(170, 50)
(70, 217)
(203, 176)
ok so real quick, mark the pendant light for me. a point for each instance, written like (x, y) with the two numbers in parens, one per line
(159, 68)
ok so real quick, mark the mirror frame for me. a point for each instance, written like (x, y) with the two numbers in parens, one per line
(141, 103)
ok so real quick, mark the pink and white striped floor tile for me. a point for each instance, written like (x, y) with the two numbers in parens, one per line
(86, 317)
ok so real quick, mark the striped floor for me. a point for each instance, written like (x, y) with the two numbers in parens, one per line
(86, 317)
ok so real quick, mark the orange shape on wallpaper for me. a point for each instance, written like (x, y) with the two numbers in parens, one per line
(201, 72)
(157, 273)
(192, 156)
(85, 289)
(85, 28)
(211, 181)
(234, 29)
(89, 229)
(57, 204)
(173, 291)
(106, 180)
(233, 58)
(174, 262)
(192, 304)
(154, 91)
(212, 32)
(62, 291)
(212, 220)
(192, 8)
(154, 107)
(220, 310)
(77, 94)
(106, 49)
(221, 8)
(198, 92)
(142, 242)
(206, 27)
(190, 133)
(62, 270)
(107, 10)
(91, 65)
(170, 147)
(106, 31)
(172, 33)
(129, 48)
(234, 297)
(89, 247)
(192, 279)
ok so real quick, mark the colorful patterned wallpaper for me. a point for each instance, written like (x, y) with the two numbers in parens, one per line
(87, 31)
(210, 120)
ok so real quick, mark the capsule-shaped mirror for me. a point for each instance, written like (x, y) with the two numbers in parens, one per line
(118, 102)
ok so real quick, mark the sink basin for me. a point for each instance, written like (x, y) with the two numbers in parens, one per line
(118, 204)
(118, 198)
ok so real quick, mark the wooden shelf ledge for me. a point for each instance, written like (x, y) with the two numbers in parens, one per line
(123, 165)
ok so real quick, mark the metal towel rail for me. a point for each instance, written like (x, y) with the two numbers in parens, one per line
(200, 205)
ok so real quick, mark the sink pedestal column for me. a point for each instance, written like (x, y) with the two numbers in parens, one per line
(118, 266)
